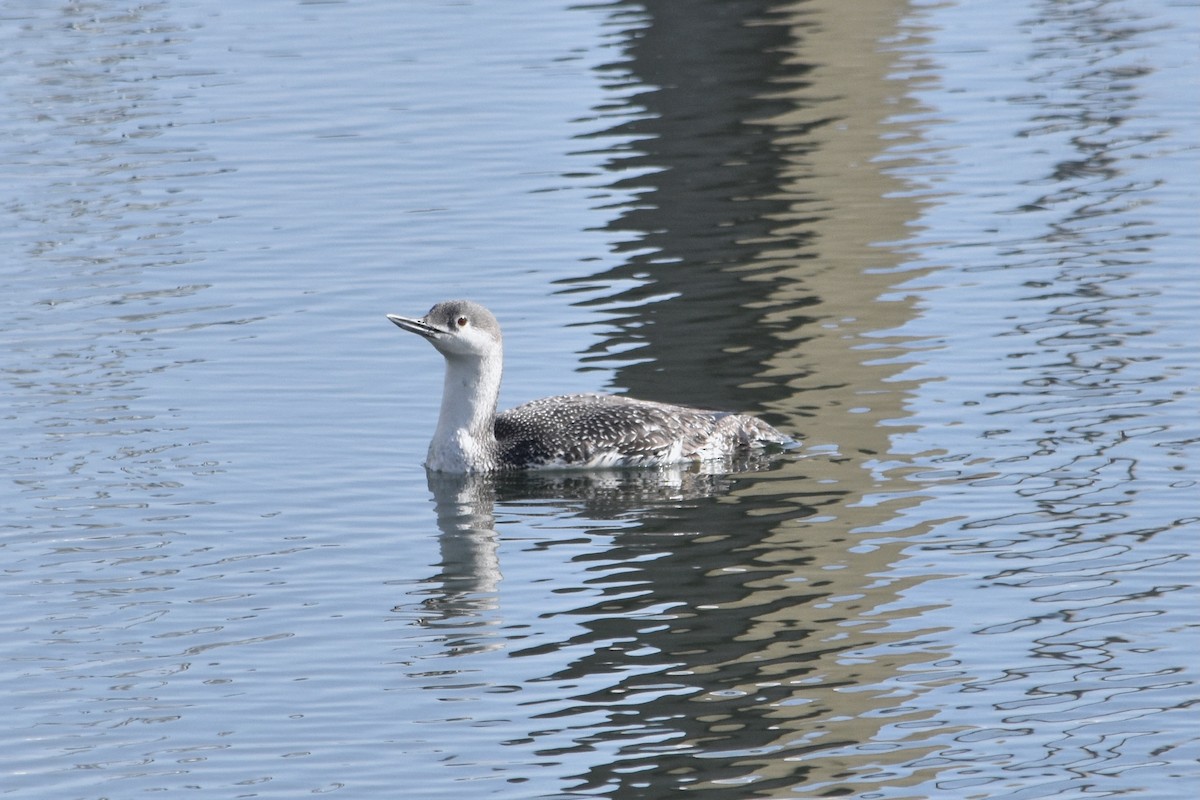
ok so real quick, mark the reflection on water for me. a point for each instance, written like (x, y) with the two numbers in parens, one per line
(652, 581)
(705, 169)
(945, 245)
(466, 514)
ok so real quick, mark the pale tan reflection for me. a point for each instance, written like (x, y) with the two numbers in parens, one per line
(847, 196)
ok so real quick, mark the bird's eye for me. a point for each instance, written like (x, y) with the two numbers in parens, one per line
(462, 322)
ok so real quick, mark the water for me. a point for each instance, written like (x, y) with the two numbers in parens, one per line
(950, 245)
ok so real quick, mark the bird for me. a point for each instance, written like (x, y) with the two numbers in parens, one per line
(573, 431)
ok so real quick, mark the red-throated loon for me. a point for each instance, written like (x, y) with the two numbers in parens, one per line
(569, 431)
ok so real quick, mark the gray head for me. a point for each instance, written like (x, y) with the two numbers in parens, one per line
(456, 328)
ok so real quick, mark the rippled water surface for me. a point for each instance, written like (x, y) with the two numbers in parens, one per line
(951, 246)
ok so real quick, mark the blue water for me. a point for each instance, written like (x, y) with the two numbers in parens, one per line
(949, 246)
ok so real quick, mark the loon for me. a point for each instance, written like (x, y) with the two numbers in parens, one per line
(569, 431)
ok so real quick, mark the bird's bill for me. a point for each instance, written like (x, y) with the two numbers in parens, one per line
(417, 326)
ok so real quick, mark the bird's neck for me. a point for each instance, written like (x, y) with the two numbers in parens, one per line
(465, 439)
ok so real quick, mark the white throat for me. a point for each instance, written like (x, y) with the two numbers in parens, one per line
(465, 440)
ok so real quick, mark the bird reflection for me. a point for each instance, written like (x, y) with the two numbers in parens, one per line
(470, 563)
(465, 505)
